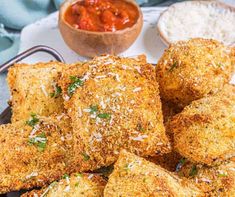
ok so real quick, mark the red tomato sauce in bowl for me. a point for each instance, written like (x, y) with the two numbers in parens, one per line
(101, 15)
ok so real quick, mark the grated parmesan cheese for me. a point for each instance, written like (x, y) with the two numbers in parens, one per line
(139, 138)
(138, 69)
(132, 102)
(33, 174)
(206, 180)
(100, 77)
(116, 94)
(66, 97)
(121, 87)
(86, 76)
(67, 188)
(97, 136)
(208, 19)
(67, 180)
(102, 104)
(44, 90)
(87, 110)
(137, 89)
(90, 176)
(126, 67)
(35, 129)
(79, 112)
(59, 117)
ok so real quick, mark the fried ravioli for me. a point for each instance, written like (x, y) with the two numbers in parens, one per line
(33, 153)
(114, 103)
(213, 181)
(204, 132)
(190, 70)
(34, 90)
(76, 185)
(135, 176)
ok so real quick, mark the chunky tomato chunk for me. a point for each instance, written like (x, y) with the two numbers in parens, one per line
(101, 15)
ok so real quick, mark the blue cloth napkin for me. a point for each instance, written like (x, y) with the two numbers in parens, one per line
(15, 14)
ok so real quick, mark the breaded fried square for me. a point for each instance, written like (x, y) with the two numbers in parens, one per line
(76, 185)
(34, 89)
(204, 132)
(33, 153)
(192, 69)
(135, 176)
(114, 103)
(213, 181)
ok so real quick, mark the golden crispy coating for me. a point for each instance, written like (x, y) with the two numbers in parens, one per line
(135, 176)
(33, 89)
(204, 132)
(76, 185)
(114, 103)
(34, 153)
(213, 181)
(189, 70)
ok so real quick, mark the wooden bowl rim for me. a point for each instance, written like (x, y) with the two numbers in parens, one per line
(67, 3)
(217, 3)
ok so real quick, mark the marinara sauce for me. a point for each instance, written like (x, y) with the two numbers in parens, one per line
(102, 15)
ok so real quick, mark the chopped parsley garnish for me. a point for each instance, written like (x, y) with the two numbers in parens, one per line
(57, 92)
(139, 127)
(40, 141)
(79, 175)
(182, 161)
(104, 116)
(222, 175)
(41, 146)
(126, 167)
(174, 65)
(93, 108)
(76, 184)
(65, 176)
(76, 82)
(86, 157)
(193, 171)
(219, 65)
(33, 120)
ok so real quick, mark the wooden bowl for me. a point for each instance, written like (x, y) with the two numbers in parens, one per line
(90, 43)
